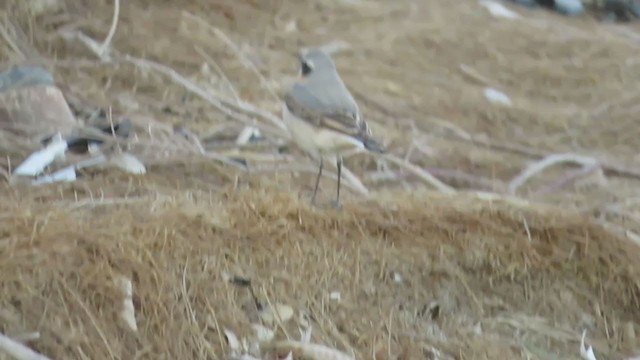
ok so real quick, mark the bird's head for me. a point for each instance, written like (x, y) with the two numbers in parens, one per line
(315, 60)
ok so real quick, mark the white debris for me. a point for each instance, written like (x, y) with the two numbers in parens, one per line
(128, 311)
(40, 159)
(263, 333)
(498, 10)
(586, 353)
(497, 97)
(397, 278)
(247, 134)
(67, 174)
(234, 343)
(18, 350)
(305, 335)
(128, 163)
(335, 295)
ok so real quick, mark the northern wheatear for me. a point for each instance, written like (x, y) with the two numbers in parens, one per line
(322, 115)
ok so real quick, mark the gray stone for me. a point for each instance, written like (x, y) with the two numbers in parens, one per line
(635, 9)
(529, 3)
(23, 76)
(31, 107)
(569, 7)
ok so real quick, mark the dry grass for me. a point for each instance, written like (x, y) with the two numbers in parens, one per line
(509, 279)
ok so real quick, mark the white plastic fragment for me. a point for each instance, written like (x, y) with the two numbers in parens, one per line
(91, 162)
(128, 311)
(498, 10)
(243, 357)
(397, 278)
(32, 336)
(335, 295)
(128, 163)
(586, 353)
(305, 335)
(37, 161)
(247, 133)
(497, 97)
(312, 351)
(18, 350)
(263, 333)
(66, 174)
(234, 343)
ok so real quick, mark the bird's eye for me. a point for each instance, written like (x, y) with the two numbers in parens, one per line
(306, 68)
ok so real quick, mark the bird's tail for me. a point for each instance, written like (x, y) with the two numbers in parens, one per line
(372, 145)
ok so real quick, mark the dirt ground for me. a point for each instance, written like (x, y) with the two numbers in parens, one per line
(475, 273)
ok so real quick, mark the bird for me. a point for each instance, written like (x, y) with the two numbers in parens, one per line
(322, 116)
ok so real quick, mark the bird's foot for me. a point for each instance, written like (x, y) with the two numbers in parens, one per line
(336, 205)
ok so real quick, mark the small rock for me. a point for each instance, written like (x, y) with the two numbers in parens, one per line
(569, 7)
(498, 10)
(634, 8)
(529, 3)
(566, 7)
(31, 107)
(619, 10)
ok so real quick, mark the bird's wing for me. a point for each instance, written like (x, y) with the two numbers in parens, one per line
(339, 115)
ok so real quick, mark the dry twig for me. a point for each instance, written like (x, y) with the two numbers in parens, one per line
(423, 174)
(566, 180)
(548, 161)
(103, 50)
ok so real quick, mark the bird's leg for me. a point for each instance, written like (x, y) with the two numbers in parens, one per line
(315, 190)
(339, 165)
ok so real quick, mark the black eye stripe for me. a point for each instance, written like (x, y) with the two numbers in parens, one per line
(306, 68)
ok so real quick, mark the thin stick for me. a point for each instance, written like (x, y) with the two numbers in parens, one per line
(626, 233)
(19, 351)
(224, 77)
(243, 59)
(567, 179)
(423, 174)
(548, 161)
(607, 165)
(472, 180)
(92, 319)
(10, 40)
(474, 75)
(217, 102)
(104, 48)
